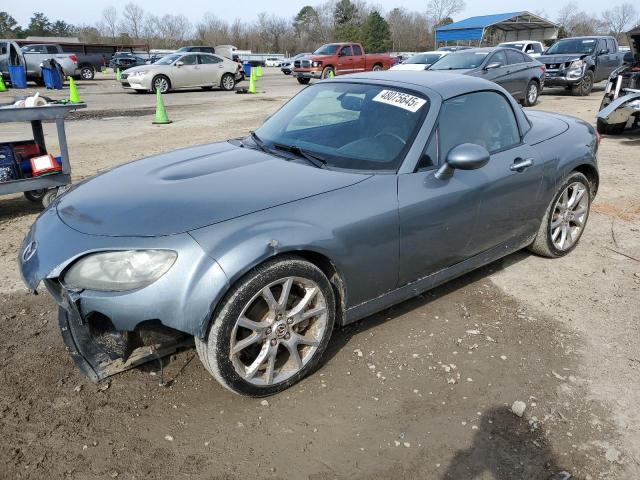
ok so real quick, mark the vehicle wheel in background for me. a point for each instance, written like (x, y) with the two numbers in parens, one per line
(377, 67)
(271, 328)
(325, 72)
(87, 73)
(608, 129)
(160, 83)
(531, 94)
(585, 86)
(227, 82)
(303, 81)
(564, 222)
(35, 196)
(49, 197)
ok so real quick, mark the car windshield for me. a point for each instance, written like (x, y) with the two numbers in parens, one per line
(460, 60)
(329, 49)
(424, 58)
(168, 60)
(347, 125)
(573, 45)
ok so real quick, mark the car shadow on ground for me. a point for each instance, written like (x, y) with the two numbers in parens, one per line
(12, 208)
(507, 447)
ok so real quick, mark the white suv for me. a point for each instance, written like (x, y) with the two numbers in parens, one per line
(530, 47)
(272, 62)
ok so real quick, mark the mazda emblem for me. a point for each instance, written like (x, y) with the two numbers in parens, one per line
(29, 251)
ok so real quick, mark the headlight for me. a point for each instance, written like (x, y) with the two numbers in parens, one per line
(119, 271)
(577, 64)
(138, 73)
(317, 64)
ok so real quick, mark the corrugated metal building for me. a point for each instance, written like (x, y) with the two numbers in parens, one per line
(488, 30)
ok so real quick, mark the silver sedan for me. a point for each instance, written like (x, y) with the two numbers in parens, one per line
(182, 70)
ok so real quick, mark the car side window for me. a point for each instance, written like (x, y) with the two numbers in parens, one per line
(482, 118)
(209, 59)
(537, 48)
(611, 45)
(429, 158)
(514, 57)
(189, 59)
(498, 57)
(51, 49)
(601, 45)
(357, 50)
(345, 51)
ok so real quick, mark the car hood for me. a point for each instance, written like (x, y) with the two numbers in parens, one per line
(560, 58)
(191, 188)
(137, 69)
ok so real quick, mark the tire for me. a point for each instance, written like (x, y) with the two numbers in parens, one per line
(377, 67)
(249, 370)
(227, 82)
(608, 129)
(35, 196)
(583, 88)
(303, 81)
(49, 197)
(531, 94)
(544, 243)
(87, 73)
(326, 70)
(160, 82)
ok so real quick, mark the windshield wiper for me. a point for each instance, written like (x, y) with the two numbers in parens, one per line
(261, 145)
(310, 157)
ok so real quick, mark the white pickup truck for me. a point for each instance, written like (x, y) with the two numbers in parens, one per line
(36, 53)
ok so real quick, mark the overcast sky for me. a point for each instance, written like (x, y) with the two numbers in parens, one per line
(83, 11)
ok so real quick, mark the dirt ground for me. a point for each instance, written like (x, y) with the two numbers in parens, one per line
(420, 391)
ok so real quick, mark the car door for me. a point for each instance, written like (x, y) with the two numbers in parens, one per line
(518, 76)
(185, 72)
(498, 74)
(211, 69)
(444, 222)
(359, 63)
(613, 55)
(602, 60)
(344, 64)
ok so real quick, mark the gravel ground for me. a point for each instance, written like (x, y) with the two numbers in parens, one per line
(422, 390)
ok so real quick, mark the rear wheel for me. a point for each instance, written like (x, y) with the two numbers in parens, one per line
(272, 328)
(303, 81)
(160, 83)
(531, 94)
(564, 222)
(87, 73)
(35, 196)
(228, 82)
(583, 88)
(377, 67)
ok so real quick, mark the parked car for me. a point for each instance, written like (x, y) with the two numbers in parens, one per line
(125, 60)
(578, 62)
(272, 62)
(530, 47)
(420, 61)
(287, 64)
(454, 48)
(338, 59)
(620, 107)
(201, 49)
(183, 70)
(246, 245)
(35, 54)
(519, 74)
(10, 54)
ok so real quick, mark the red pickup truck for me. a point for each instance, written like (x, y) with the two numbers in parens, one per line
(339, 59)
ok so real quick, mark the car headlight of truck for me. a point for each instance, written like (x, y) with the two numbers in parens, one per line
(576, 67)
(316, 64)
(119, 271)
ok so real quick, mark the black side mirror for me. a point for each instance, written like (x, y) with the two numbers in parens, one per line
(467, 156)
(604, 51)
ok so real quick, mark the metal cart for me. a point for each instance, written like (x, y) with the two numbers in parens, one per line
(41, 189)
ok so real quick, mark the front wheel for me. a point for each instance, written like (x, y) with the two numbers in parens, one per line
(161, 84)
(531, 94)
(583, 88)
(328, 72)
(564, 222)
(271, 329)
(228, 82)
(303, 80)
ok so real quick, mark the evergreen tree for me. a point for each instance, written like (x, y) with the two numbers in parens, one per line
(376, 34)
(39, 25)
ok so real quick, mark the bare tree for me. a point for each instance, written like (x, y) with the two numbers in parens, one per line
(212, 30)
(109, 22)
(133, 20)
(438, 10)
(575, 22)
(619, 19)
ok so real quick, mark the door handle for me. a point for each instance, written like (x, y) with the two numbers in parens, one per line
(519, 164)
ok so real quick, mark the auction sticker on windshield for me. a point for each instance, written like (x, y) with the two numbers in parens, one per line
(400, 99)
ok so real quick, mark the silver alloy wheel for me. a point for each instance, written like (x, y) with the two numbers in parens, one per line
(273, 340)
(86, 73)
(569, 216)
(532, 94)
(228, 82)
(161, 84)
(377, 68)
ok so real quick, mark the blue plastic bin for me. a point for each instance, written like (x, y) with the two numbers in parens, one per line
(18, 76)
(52, 78)
(247, 69)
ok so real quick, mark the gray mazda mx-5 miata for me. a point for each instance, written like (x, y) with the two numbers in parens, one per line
(360, 192)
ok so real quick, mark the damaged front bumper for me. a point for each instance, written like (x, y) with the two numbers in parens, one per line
(621, 102)
(109, 332)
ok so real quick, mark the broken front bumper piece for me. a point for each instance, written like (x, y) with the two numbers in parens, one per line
(624, 110)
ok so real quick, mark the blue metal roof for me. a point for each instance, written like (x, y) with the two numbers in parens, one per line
(482, 21)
